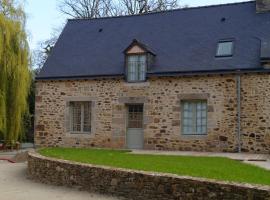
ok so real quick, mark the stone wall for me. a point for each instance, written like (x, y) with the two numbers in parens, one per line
(255, 119)
(137, 185)
(162, 112)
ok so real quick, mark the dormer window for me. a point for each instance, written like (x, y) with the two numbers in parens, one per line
(224, 48)
(265, 53)
(136, 68)
(138, 59)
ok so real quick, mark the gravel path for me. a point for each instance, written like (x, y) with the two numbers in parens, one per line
(15, 186)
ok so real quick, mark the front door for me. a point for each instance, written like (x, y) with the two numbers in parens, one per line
(135, 138)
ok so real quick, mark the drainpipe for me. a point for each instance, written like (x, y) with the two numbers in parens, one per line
(238, 80)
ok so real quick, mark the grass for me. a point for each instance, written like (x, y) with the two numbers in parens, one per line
(207, 167)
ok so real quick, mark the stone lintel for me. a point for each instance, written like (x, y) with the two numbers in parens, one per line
(132, 100)
(194, 96)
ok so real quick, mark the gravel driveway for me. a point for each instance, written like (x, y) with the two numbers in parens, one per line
(15, 186)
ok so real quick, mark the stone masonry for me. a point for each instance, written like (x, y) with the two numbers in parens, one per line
(138, 185)
(162, 98)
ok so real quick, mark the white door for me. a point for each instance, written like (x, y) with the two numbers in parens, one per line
(135, 138)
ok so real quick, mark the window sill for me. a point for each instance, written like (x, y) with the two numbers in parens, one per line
(193, 136)
(224, 56)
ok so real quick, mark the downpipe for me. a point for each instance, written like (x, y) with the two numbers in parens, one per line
(238, 82)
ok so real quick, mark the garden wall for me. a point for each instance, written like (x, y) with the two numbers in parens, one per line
(137, 185)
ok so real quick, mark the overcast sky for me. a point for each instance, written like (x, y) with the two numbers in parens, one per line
(43, 16)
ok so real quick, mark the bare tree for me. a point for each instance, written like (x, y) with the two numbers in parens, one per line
(44, 49)
(104, 8)
(132, 7)
(87, 8)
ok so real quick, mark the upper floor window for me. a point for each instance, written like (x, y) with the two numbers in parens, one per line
(136, 67)
(225, 48)
(139, 59)
(80, 117)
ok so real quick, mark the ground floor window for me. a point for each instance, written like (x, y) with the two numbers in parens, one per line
(80, 117)
(194, 117)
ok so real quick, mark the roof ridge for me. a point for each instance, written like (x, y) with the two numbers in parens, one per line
(164, 11)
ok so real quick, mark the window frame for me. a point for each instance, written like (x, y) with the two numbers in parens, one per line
(194, 123)
(127, 67)
(82, 123)
(225, 41)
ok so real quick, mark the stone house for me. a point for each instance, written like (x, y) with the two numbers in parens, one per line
(193, 79)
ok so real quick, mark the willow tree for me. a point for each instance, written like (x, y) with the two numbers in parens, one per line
(15, 75)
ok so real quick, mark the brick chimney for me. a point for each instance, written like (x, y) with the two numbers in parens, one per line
(262, 6)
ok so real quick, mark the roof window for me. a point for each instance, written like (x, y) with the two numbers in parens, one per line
(225, 48)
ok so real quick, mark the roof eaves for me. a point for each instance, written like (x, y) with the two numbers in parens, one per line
(78, 77)
(160, 74)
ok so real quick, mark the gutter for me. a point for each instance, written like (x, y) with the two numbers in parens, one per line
(155, 74)
(238, 91)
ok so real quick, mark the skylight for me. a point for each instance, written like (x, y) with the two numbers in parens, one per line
(224, 48)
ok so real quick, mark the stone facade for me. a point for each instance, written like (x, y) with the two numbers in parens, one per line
(162, 98)
(137, 185)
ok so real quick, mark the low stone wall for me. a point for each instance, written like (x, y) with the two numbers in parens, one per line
(137, 185)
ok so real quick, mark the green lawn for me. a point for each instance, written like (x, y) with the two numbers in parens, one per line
(207, 167)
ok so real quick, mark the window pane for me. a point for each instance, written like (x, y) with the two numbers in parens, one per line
(201, 117)
(76, 116)
(87, 117)
(141, 67)
(187, 118)
(225, 48)
(136, 67)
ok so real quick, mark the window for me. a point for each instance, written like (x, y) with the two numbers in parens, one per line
(135, 116)
(225, 48)
(80, 117)
(136, 68)
(194, 117)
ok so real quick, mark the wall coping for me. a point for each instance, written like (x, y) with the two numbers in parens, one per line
(150, 173)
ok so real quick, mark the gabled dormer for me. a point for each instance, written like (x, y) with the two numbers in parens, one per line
(138, 58)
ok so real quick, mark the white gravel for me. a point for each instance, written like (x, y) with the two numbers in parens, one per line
(15, 186)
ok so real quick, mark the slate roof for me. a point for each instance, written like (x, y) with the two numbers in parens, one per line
(184, 41)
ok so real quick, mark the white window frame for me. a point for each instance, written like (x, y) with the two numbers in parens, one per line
(72, 131)
(194, 117)
(138, 70)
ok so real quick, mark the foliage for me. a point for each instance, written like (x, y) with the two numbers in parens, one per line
(14, 71)
(28, 120)
(206, 167)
